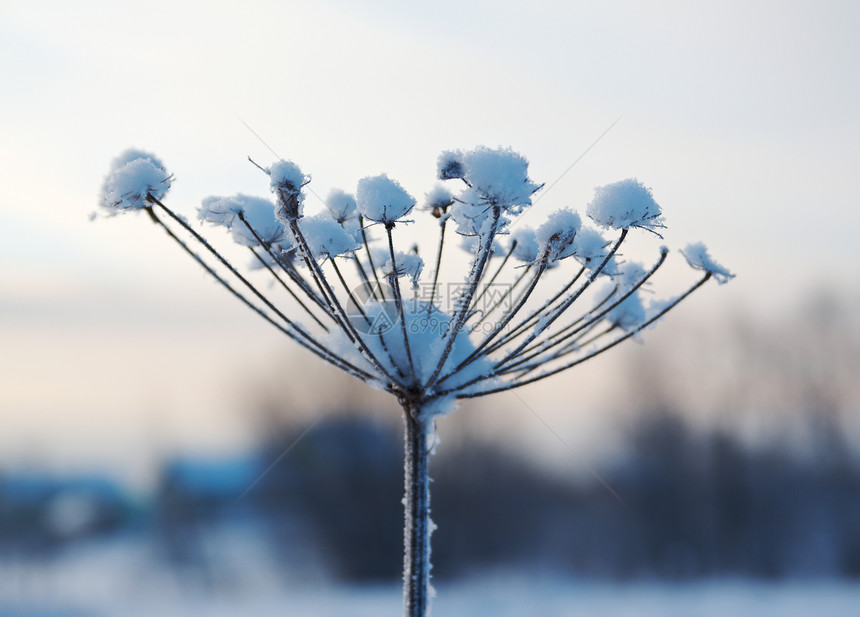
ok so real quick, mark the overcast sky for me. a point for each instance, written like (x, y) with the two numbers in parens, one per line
(742, 117)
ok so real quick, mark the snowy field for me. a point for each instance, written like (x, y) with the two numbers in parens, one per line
(508, 598)
(118, 582)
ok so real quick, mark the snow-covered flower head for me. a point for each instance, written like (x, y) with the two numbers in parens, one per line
(341, 205)
(439, 199)
(257, 211)
(286, 180)
(497, 185)
(697, 256)
(383, 200)
(404, 264)
(590, 247)
(625, 204)
(500, 177)
(325, 238)
(555, 237)
(133, 176)
(526, 247)
(449, 165)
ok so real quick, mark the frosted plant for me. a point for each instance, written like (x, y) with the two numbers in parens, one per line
(347, 295)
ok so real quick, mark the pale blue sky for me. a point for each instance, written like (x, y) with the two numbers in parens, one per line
(742, 116)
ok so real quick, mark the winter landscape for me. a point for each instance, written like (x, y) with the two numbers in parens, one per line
(456, 309)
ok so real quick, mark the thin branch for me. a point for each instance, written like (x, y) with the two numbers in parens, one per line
(370, 258)
(534, 316)
(493, 278)
(508, 317)
(567, 303)
(398, 300)
(442, 226)
(362, 273)
(477, 271)
(327, 290)
(313, 346)
(286, 287)
(291, 272)
(233, 270)
(631, 333)
(544, 347)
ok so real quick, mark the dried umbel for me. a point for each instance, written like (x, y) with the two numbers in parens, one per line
(344, 301)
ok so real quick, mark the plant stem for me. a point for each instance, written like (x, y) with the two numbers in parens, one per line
(417, 526)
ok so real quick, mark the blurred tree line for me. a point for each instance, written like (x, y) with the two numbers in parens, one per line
(739, 458)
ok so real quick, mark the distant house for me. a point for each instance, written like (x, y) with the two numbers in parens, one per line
(41, 511)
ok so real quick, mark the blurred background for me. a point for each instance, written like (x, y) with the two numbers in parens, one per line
(164, 452)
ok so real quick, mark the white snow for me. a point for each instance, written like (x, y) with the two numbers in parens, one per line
(405, 264)
(629, 274)
(628, 315)
(471, 244)
(286, 175)
(500, 176)
(126, 579)
(555, 237)
(496, 178)
(325, 237)
(286, 182)
(625, 204)
(449, 165)
(342, 205)
(439, 197)
(383, 200)
(133, 175)
(697, 256)
(258, 211)
(527, 246)
(590, 247)
(426, 342)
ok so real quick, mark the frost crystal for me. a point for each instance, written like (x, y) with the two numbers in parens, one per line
(383, 200)
(697, 256)
(625, 204)
(133, 175)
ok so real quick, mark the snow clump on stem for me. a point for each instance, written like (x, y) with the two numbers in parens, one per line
(134, 176)
(383, 200)
(286, 181)
(257, 211)
(625, 204)
(555, 237)
(697, 256)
